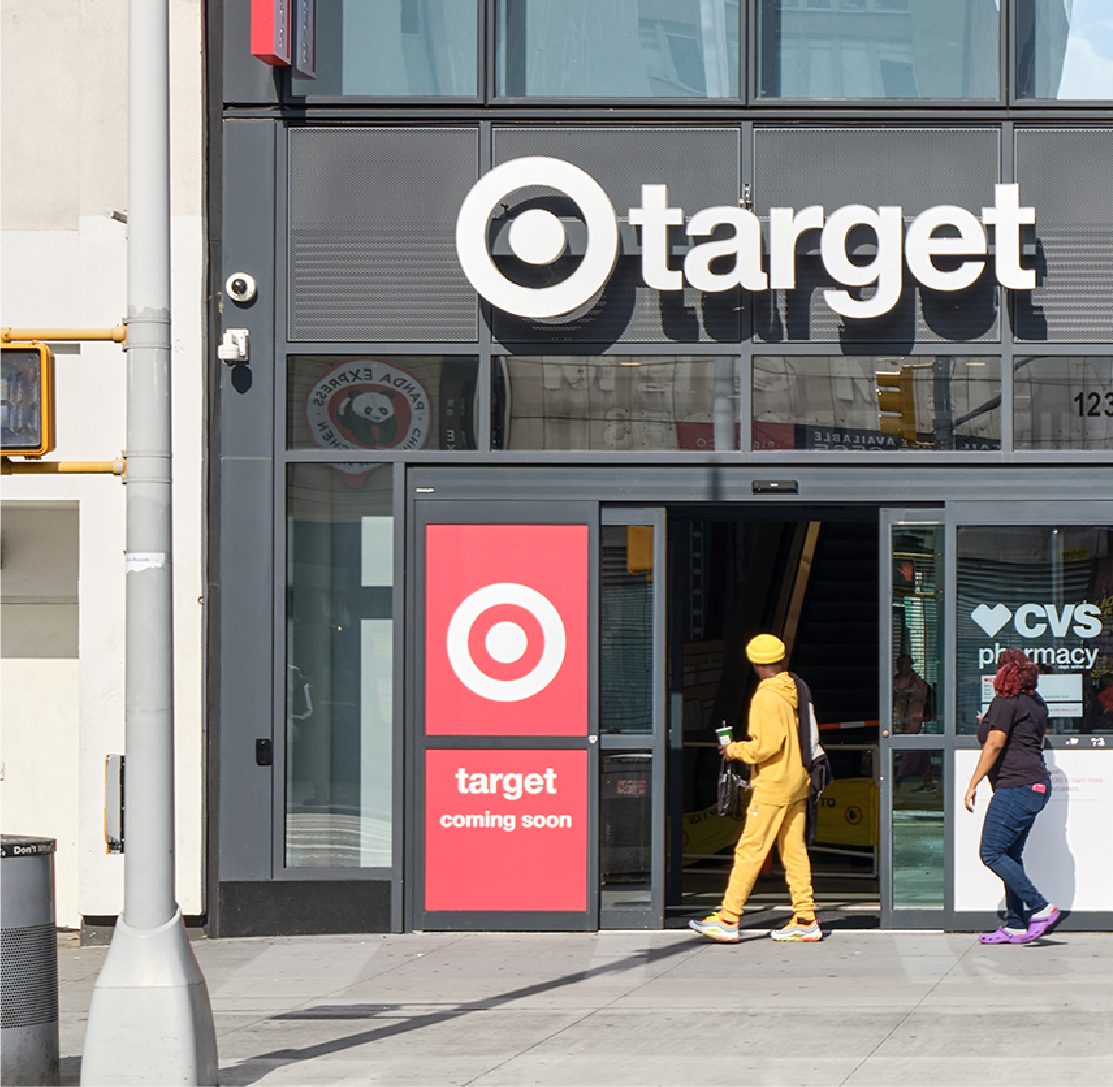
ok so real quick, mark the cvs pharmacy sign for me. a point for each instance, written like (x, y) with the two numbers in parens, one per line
(1033, 620)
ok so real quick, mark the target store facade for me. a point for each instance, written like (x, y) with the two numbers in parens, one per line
(558, 348)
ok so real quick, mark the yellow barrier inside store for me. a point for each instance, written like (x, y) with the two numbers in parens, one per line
(706, 832)
(849, 813)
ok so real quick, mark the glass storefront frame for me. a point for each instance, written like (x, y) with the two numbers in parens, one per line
(247, 456)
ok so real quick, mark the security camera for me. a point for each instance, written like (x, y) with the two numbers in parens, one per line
(240, 287)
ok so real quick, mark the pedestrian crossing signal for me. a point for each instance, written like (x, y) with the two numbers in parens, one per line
(27, 400)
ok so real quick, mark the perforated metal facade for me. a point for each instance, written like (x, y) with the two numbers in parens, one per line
(912, 168)
(1066, 174)
(372, 213)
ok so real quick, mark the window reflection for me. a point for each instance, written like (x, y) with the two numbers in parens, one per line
(339, 573)
(617, 48)
(625, 831)
(615, 403)
(918, 835)
(626, 629)
(395, 48)
(917, 635)
(872, 402)
(1049, 592)
(394, 402)
(1063, 402)
(878, 48)
(1064, 49)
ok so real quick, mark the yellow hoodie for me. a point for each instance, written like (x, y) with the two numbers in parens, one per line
(773, 748)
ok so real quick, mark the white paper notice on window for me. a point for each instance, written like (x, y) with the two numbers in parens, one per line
(1061, 692)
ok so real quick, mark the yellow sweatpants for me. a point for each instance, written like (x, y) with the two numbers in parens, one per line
(764, 824)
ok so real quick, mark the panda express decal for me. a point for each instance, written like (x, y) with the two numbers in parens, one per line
(539, 237)
(368, 404)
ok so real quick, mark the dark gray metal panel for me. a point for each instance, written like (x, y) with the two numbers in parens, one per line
(622, 159)
(247, 81)
(243, 790)
(833, 167)
(1064, 173)
(372, 234)
(916, 168)
(1068, 492)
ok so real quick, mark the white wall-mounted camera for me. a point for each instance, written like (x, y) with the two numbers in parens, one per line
(240, 287)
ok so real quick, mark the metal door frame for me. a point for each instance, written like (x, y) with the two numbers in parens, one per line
(950, 516)
(656, 744)
(888, 518)
(429, 511)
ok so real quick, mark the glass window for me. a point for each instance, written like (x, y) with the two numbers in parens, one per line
(1064, 49)
(339, 578)
(916, 652)
(878, 49)
(1049, 592)
(393, 402)
(871, 402)
(626, 629)
(387, 48)
(1063, 402)
(617, 49)
(625, 831)
(918, 872)
(620, 403)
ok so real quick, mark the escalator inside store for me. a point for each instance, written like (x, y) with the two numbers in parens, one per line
(812, 581)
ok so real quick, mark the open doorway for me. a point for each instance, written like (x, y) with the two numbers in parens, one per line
(811, 576)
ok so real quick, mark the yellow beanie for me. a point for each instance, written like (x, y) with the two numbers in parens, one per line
(766, 649)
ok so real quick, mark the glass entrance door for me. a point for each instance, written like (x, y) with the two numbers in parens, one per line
(913, 767)
(631, 718)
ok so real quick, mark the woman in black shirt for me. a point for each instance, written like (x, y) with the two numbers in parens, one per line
(1012, 737)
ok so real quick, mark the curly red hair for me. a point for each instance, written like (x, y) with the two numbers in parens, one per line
(1015, 673)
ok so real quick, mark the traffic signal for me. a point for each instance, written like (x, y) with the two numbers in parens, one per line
(27, 400)
(896, 404)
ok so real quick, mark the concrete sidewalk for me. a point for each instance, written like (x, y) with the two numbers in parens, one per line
(862, 1007)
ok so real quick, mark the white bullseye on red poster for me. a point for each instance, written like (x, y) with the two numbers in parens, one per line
(506, 630)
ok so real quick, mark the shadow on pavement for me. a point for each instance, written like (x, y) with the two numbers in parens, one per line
(249, 1070)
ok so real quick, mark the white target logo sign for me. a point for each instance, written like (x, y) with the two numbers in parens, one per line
(506, 641)
(537, 237)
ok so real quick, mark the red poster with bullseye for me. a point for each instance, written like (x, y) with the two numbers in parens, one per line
(506, 630)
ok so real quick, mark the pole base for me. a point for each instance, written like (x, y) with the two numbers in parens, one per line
(150, 1019)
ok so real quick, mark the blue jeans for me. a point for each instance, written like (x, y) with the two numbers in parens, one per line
(1008, 821)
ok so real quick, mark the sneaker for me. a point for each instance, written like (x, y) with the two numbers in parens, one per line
(716, 928)
(799, 931)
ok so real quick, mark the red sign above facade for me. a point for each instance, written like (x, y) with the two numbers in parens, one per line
(506, 830)
(270, 31)
(506, 630)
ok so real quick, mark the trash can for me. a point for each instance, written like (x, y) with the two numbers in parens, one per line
(29, 977)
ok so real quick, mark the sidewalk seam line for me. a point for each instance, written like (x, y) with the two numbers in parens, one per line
(904, 1018)
(587, 1015)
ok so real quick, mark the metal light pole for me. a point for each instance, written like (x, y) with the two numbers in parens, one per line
(149, 1020)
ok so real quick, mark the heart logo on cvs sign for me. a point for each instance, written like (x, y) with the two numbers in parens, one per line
(506, 630)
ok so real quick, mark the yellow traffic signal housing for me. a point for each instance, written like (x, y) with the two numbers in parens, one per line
(27, 400)
(897, 405)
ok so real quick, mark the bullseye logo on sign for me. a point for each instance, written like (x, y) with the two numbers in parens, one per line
(506, 630)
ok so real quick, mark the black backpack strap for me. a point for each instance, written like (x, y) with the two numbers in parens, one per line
(803, 720)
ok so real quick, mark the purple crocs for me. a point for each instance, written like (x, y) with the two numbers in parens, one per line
(1037, 926)
(1003, 936)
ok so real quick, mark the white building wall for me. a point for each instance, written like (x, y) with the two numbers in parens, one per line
(63, 77)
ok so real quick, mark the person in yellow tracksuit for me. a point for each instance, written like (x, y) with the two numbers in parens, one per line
(778, 805)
